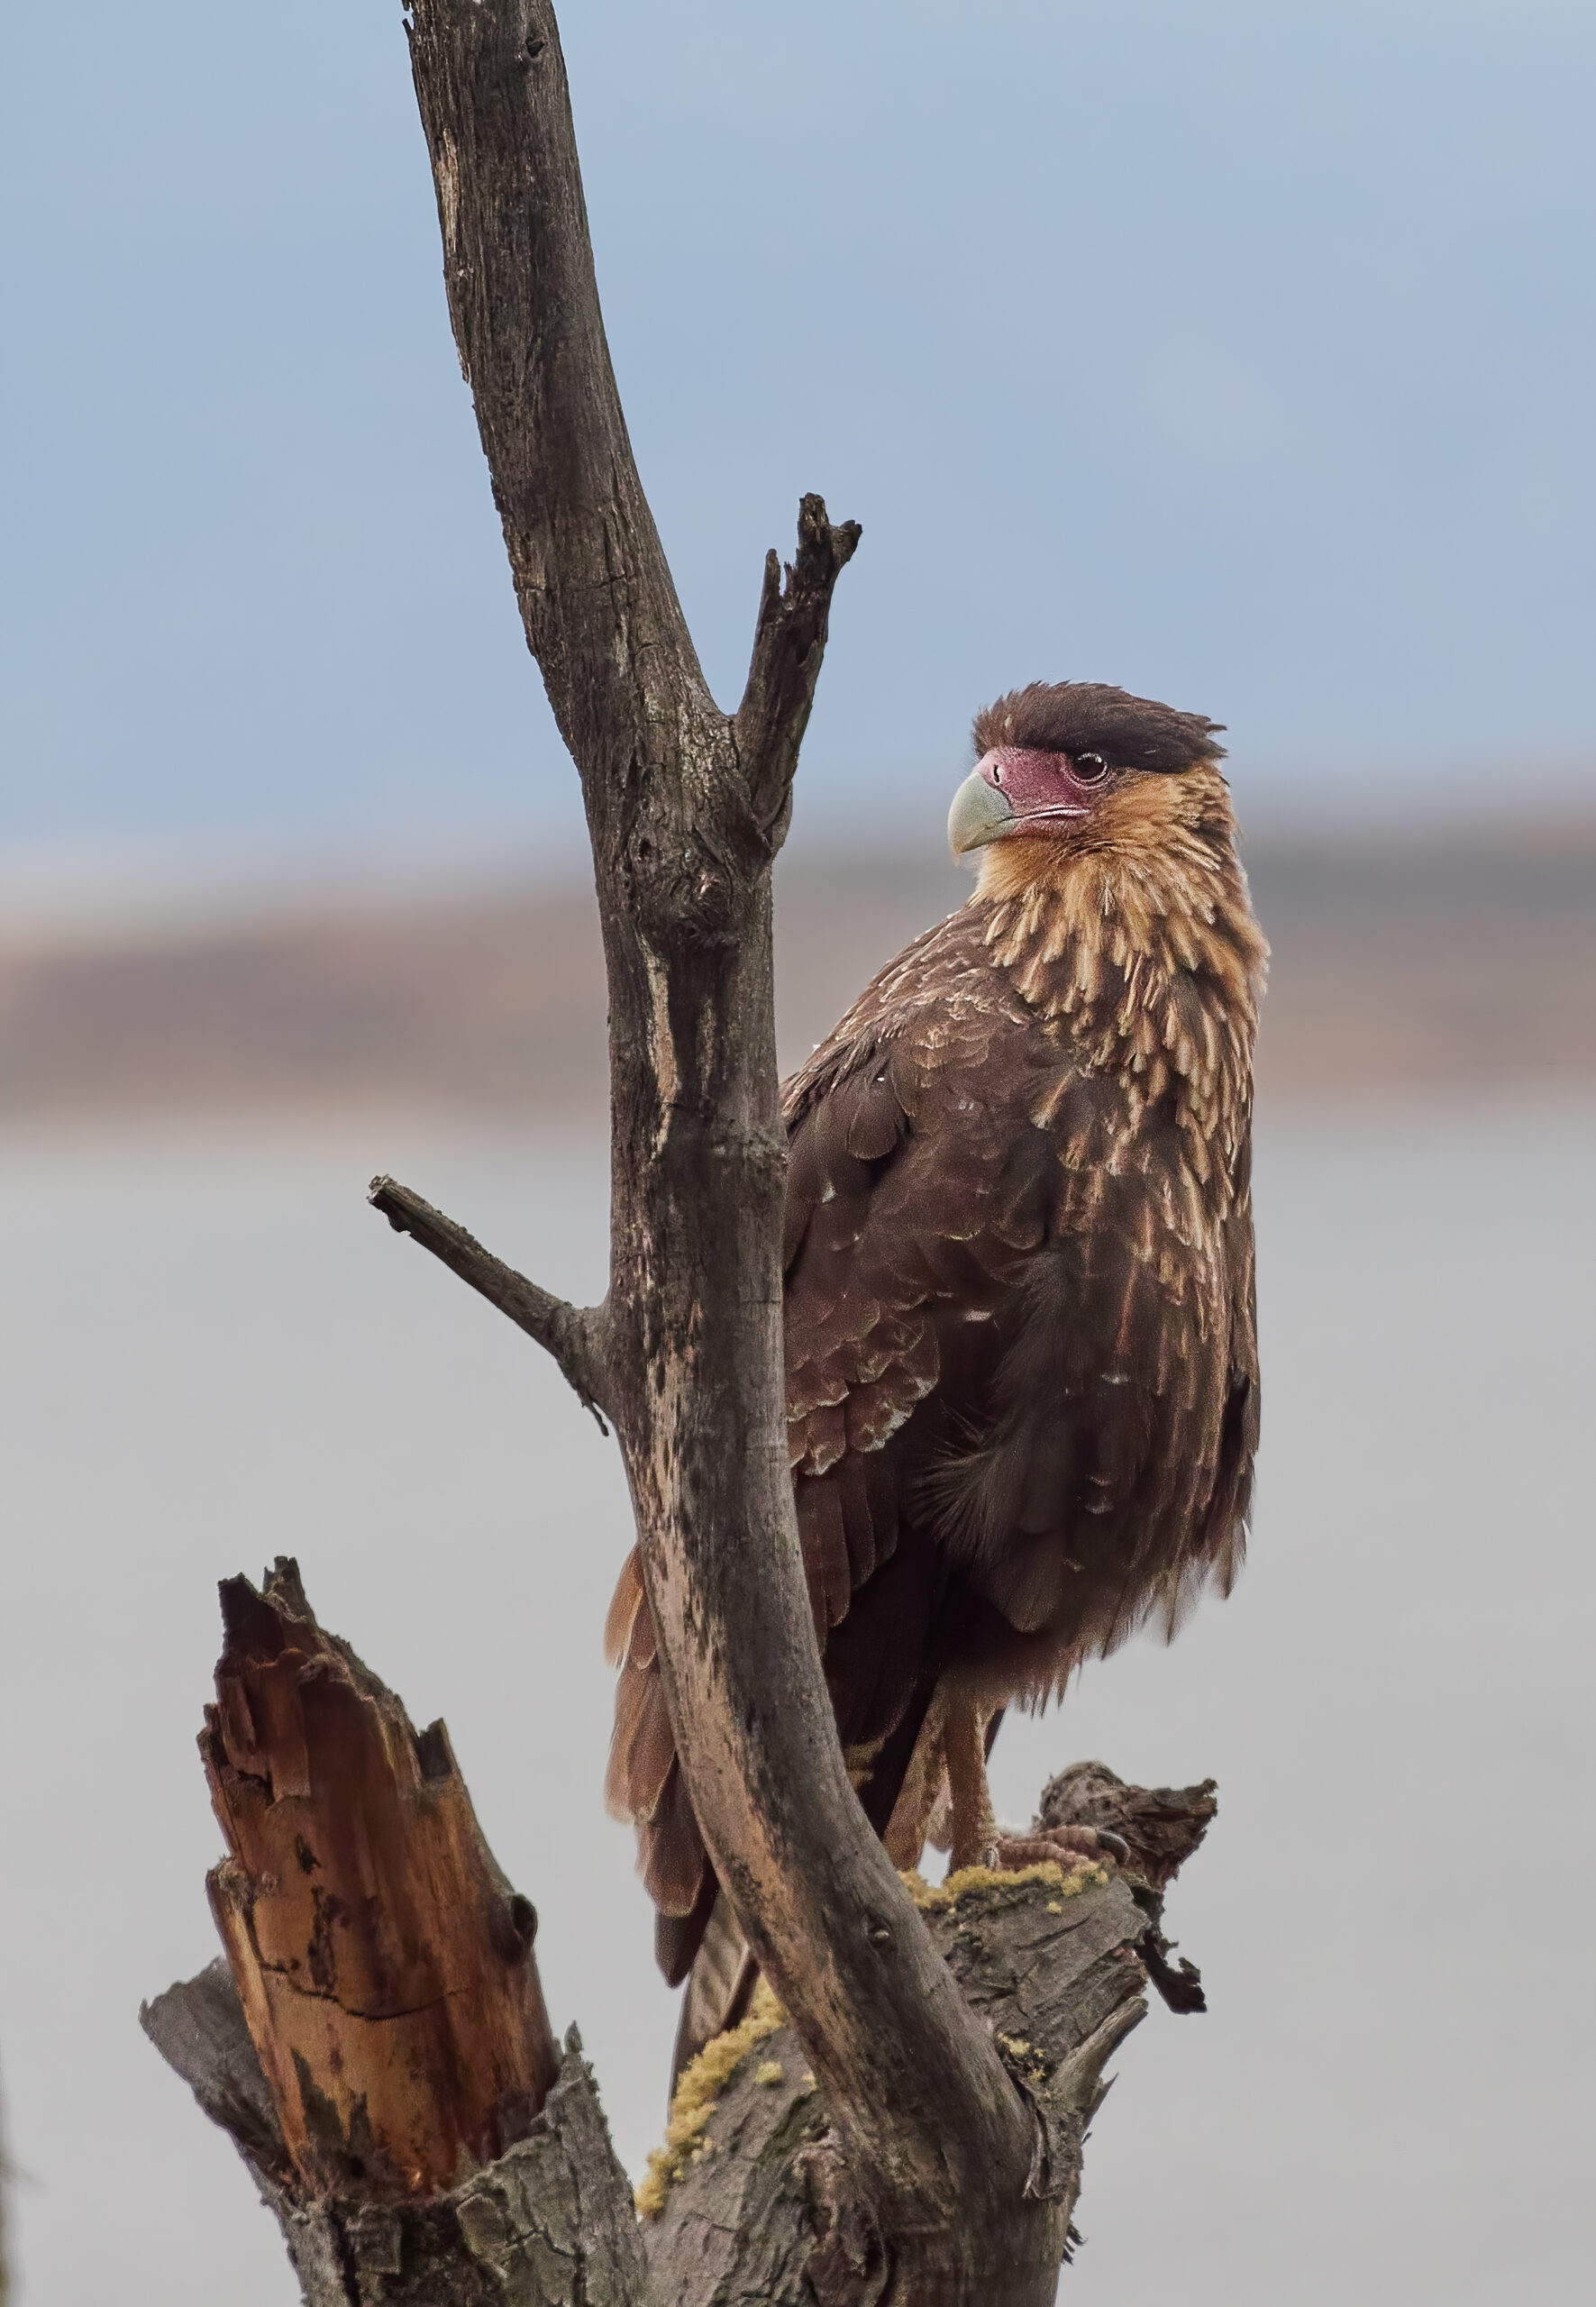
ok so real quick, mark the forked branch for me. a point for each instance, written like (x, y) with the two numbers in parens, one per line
(686, 806)
(788, 643)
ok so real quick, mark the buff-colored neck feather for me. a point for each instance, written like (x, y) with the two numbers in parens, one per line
(1139, 934)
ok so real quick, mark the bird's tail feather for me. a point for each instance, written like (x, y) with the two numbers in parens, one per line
(724, 1973)
(720, 1988)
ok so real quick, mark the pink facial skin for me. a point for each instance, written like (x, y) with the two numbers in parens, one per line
(1039, 786)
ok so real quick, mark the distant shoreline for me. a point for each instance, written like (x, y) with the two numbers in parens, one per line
(1398, 961)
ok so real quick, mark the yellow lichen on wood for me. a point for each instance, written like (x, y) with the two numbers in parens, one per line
(704, 2082)
(698, 2094)
(933, 1897)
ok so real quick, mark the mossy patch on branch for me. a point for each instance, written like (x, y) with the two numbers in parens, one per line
(704, 2082)
(992, 1886)
(698, 2094)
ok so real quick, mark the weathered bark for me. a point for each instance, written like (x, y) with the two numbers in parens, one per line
(431, 2148)
(686, 806)
(548, 2223)
(752, 2197)
(1160, 1826)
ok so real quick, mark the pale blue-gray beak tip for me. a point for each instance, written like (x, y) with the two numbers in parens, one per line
(980, 813)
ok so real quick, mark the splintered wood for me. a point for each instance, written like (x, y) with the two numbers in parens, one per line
(383, 1962)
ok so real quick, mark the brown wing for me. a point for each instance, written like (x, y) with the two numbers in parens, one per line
(1107, 1464)
(1021, 1391)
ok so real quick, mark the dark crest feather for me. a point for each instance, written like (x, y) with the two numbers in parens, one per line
(1091, 717)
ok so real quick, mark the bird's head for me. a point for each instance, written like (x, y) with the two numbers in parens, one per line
(1071, 762)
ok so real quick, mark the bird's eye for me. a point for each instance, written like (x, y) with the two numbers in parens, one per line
(1090, 769)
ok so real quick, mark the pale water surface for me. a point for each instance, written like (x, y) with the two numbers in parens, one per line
(213, 1353)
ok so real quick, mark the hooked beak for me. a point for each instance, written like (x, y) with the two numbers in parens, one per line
(980, 813)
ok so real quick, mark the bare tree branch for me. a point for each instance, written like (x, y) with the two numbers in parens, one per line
(935, 2133)
(572, 1334)
(788, 643)
(596, 598)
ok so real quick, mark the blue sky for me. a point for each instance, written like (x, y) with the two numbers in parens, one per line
(1243, 354)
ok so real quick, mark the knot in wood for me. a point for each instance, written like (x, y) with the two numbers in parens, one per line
(514, 1927)
(847, 2267)
(682, 893)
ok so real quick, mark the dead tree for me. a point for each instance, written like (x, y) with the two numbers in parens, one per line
(919, 2140)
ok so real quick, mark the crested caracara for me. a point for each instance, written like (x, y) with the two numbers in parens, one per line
(1022, 1375)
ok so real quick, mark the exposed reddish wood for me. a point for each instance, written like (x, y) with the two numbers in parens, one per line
(384, 1963)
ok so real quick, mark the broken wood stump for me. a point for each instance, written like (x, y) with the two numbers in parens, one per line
(377, 2039)
(384, 1963)
(376, 2042)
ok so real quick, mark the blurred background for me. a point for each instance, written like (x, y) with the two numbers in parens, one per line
(1242, 355)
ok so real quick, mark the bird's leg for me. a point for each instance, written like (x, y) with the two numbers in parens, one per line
(964, 1748)
(921, 1807)
(978, 1840)
(910, 1822)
